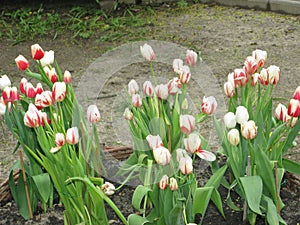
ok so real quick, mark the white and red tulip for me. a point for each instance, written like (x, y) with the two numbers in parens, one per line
(162, 155)
(163, 183)
(249, 130)
(162, 91)
(229, 120)
(60, 139)
(233, 137)
(250, 65)
(173, 184)
(192, 143)
(4, 82)
(185, 75)
(177, 66)
(136, 100)
(67, 77)
(191, 57)
(23, 83)
(241, 114)
(147, 52)
(260, 57)
(154, 141)
(240, 77)
(133, 87)
(30, 90)
(181, 153)
(37, 52)
(174, 86)
(229, 89)
(22, 62)
(48, 58)
(93, 114)
(186, 165)
(148, 88)
(187, 123)
(128, 115)
(294, 108)
(10, 94)
(206, 155)
(297, 93)
(32, 117)
(72, 136)
(44, 99)
(59, 91)
(273, 74)
(209, 105)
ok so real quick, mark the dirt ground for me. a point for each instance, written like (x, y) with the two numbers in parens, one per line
(225, 36)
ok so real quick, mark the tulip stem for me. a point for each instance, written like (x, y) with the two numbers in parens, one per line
(169, 139)
(277, 187)
(245, 207)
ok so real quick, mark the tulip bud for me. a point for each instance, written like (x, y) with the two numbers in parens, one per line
(30, 91)
(128, 115)
(297, 93)
(255, 78)
(264, 77)
(52, 75)
(39, 88)
(240, 77)
(186, 165)
(233, 137)
(136, 100)
(32, 117)
(60, 139)
(294, 108)
(249, 129)
(174, 86)
(10, 94)
(44, 99)
(93, 114)
(185, 75)
(154, 141)
(133, 87)
(191, 57)
(185, 104)
(148, 88)
(4, 82)
(163, 183)
(37, 52)
(173, 184)
(23, 85)
(72, 136)
(162, 155)
(67, 77)
(162, 91)
(229, 89)
(177, 66)
(48, 58)
(260, 57)
(59, 91)
(192, 143)
(241, 114)
(108, 188)
(187, 123)
(181, 153)
(22, 62)
(281, 112)
(250, 65)
(229, 120)
(209, 105)
(147, 52)
(274, 74)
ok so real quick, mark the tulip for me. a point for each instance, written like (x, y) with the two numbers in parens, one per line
(294, 108)
(44, 118)
(55, 149)
(30, 91)
(229, 89)
(163, 183)
(260, 57)
(187, 123)
(185, 104)
(173, 184)
(2, 108)
(136, 100)
(67, 77)
(233, 137)
(128, 115)
(72, 136)
(162, 91)
(240, 77)
(48, 58)
(274, 74)
(186, 165)
(52, 75)
(209, 105)
(297, 93)
(181, 153)
(59, 91)
(39, 88)
(108, 188)
(10, 94)
(133, 87)
(230, 78)
(281, 112)
(229, 120)
(162, 155)
(4, 82)
(185, 75)
(206, 155)
(291, 121)
(154, 141)
(60, 139)
(174, 86)
(264, 77)
(249, 129)
(32, 117)
(93, 114)
(192, 143)
(22, 62)
(191, 57)
(241, 114)
(23, 83)
(37, 52)
(250, 65)
(177, 66)
(44, 99)
(147, 52)
(255, 78)
(148, 88)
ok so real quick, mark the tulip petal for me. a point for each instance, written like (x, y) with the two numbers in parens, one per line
(206, 155)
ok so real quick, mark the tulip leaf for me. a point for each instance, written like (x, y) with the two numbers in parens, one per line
(134, 219)
(43, 182)
(201, 200)
(200, 117)
(291, 137)
(275, 136)
(176, 216)
(216, 178)
(291, 166)
(139, 194)
(272, 216)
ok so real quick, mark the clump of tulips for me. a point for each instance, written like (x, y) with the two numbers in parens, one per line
(256, 138)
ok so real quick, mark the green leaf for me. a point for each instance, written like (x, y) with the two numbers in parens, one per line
(139, 194)
(275, 135)
(291, 166)
(176, 216)
(134, 219)
(201, 200)
(272, 216)
(200, 117)
(43, 183)
(216, 178)
(216, 198)
(253, 187)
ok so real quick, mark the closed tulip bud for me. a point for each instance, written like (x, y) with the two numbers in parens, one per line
(67, 77)
(240, 77)
(148, 88)
(294, 108)
(297, 93)
(4, 82)
(128, 115)
(23, 85)
(93, 114)
(32, 117)
(44, 99)
(229, 89)
(281, 112)
(174, 86)
(229, 120)
(154, 141)
(136, 100)
(22, 62)
(72, 136)
(241, 114)
(186, 165)
(264, 77)
(255, 79)
(274, 74)
(39, 88)
(162, 155)
(177, 66)
(163, 183)
(260, 57)
(60, 139)
(37, 52)
(108, 188)
(173, 184)
(147, 52)
(10, 94)
(185, 104)
(249, 129)
(59, 91)
(181, 153)
(230, 78)
(187, 123)
(233, 137)
(162, 91)
(48, 58)
(250, 65)
(52, 75)
(30, 91)
(192, 143)
(133, 87)
(185, 75)
(209, 105)
(191, 57)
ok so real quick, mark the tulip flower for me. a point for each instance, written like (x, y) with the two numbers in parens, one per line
(44, 99)
(174, 86)
(192, 143)
(67, 77)
(48, 58)
(30, 91)
(32, 117)
(281, 112)
(2, 108)
(93, 114)
(60, 139)
(147, 52)
(264, 77)
(136, 100)
(250, 65)
(209, 105)
(185, 75)
(162, 155)
(260, 57)
(294, 108)
(108, 188)
(206, 155)
(163, 183)
(181, 153)
(37, 52)
(148, 88)
(162, 91)
(154, 141)
(10, 94)
(52, 75)
(128, 115)
(44, 118)
(191, 57)
(186, 165)
(59, 91)
(72, 136)
(229, 89)
(177, 66)
(55, 149)
(187, 123)
(274, 74)
(23, 83)
(255, 78)
(291, 121)
(133, 87)
(22, 62)
(240, 77)
(297, 93)
(39, 88)
(229, 120)
(4, 82)
(241, 114)
(233, 137)
(173, 184)
(249, 129)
